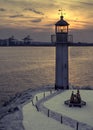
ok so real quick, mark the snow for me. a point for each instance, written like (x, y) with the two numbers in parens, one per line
(33, 120)
(41, 95)
(12, 121)
(28, 118)
(83, 114)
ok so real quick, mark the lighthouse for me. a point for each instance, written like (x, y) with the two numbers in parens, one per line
(61, 76)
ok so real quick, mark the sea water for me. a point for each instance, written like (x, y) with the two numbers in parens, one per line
(22, 68)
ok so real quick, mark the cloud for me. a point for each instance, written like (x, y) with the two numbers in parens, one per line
(33, 10)
(87, 3)
(41, 13)
(77, 4)
(37, 20)
(16, 16)
(2, 9)
(50, 25)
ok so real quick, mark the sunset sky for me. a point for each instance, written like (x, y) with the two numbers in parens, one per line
(38, 17)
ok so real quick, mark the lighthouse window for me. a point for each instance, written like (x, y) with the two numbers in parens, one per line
(65, 65)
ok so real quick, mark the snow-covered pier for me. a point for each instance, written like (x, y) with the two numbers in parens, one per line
(22, 113)
(77, 118)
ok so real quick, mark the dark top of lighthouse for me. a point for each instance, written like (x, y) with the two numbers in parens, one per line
(62, 22)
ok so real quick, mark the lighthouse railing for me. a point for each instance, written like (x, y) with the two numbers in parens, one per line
(53, 38)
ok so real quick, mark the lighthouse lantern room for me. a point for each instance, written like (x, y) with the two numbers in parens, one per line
(61, 29)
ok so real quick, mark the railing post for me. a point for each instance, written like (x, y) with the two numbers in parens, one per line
(77, 126)
(61, 119)
(44, 95)
(36, 98)
(48, 112)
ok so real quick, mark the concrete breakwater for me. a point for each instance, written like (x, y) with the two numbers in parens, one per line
(11, 115)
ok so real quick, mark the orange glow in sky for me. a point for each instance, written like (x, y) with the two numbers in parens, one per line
(41, 16)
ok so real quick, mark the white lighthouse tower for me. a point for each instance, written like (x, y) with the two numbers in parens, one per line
(61, 30)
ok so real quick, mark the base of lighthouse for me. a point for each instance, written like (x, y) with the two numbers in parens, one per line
(61, 66)
(61, 87)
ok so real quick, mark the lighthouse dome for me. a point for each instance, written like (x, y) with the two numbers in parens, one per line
(61, 22)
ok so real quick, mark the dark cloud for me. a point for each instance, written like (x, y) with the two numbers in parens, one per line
(82, 35)
(89, 27)
(87, 3)
(16, 16)
(80, 21)
(37, 20)
(33, 10)
(79, 5)
(50, 25)
(19, 33)
(2, 9)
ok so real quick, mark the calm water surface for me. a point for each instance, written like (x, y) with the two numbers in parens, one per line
(31, 67)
